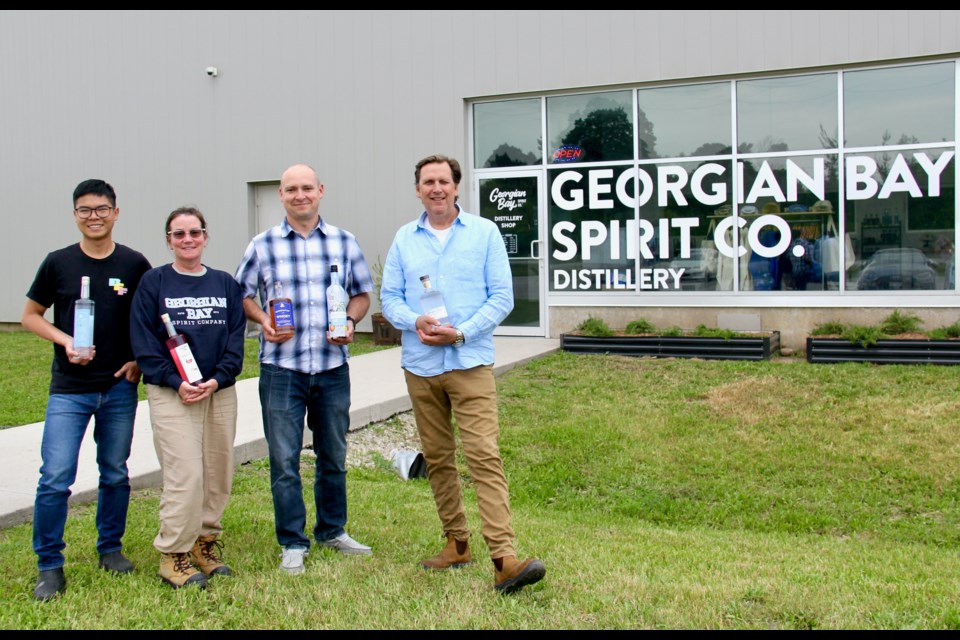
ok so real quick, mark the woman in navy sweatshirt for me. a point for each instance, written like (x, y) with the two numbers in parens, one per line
(193, 424)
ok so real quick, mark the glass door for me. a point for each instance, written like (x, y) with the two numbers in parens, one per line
(512, 201)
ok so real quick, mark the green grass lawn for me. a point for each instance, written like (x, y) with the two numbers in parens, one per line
(661, 494)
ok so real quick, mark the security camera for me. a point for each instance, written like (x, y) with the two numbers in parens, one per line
(213, 72)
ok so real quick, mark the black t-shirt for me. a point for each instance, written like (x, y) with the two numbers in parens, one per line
(113, 280)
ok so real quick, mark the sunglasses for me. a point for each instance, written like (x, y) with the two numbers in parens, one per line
(180, 234)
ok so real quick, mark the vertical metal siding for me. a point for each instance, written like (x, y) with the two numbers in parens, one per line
(360, 95)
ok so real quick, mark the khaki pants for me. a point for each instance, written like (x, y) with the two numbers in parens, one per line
(472, 396)
(194, 444)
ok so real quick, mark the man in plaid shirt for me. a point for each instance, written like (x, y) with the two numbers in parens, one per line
(305, 374)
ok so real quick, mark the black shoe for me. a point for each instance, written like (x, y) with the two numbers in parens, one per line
(116, 562)
(49, 584)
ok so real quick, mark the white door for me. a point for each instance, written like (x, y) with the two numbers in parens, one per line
(511, 199)
(269, 208)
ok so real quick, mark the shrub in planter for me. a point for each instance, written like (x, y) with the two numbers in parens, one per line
(897, 323)
(897, 339)
(640, 326)
(595, 327)
(642, 338)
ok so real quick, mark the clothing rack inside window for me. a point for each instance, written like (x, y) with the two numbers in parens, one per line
(794, 218)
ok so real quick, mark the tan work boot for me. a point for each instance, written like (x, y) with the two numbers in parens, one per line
(455, 554)
(509, 574)
(204, 557)
(176, 571)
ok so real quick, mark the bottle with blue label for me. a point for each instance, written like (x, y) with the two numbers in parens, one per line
(281, 312)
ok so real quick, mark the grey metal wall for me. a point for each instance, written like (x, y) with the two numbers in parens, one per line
(123, 95)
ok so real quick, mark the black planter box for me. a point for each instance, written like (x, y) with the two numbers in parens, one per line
(908, 351)
(761, 347)
(384, 333)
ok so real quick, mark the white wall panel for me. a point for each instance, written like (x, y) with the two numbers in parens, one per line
(835, 43)
(360, 95)
(722, 58)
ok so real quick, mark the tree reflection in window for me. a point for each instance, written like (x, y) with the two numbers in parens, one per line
(590, 127)
(604, 134)
(507, 155)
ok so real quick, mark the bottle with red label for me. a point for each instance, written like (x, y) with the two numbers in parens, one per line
(181, 353)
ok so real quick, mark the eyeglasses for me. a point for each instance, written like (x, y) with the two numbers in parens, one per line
(180, 234)
(85, 212)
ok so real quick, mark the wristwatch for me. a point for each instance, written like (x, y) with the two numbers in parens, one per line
(353, 321)
(459, 341)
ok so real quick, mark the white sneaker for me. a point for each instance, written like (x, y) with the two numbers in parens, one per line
(292, 561)
(345, 544)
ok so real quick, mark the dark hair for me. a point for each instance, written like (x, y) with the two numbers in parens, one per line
(454, 167)
(185, 211)
(97, 188)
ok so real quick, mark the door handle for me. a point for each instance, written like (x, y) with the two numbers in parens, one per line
(535, 249)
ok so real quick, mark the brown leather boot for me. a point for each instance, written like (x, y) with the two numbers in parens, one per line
(509, 574)
(455, 554)
(176, 571)
(204, 556)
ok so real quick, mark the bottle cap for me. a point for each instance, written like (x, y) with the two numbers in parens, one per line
(334, 267)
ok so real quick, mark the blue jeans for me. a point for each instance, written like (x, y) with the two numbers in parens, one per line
(68, 415)
(286, 396)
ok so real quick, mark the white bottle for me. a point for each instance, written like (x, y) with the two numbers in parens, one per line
(83, 320)
(336, 305)
(431, 301)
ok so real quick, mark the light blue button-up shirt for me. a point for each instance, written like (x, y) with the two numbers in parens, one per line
(472, 272)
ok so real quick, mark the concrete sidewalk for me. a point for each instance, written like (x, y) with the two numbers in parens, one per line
(378, 391)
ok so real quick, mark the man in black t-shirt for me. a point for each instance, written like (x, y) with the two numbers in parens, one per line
(99, 383)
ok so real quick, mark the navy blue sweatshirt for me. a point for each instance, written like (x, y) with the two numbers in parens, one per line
(207, 309)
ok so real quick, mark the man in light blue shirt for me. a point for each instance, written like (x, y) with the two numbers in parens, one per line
(450, 366)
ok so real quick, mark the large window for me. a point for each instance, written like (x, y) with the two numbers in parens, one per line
(593, 127)
(787, 114)
(839, 182)
(692, 120)
(507, 134)
(901, 220)
(593, 242)
(791, 211)
(678, 225)
(901, 105)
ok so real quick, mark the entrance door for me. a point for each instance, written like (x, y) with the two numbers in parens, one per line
(512, 201)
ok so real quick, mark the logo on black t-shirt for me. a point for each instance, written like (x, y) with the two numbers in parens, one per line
(117, 285)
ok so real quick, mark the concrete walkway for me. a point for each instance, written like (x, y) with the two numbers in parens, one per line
(378, 390)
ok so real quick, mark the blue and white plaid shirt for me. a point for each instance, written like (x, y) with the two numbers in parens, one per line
(302, 266)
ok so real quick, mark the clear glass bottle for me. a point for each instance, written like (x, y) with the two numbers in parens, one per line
(181, 353)
(431, 301)
(83, 320)
(281, 311)
(336, 305)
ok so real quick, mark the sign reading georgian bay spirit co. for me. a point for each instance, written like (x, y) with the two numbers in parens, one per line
(592, 193)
